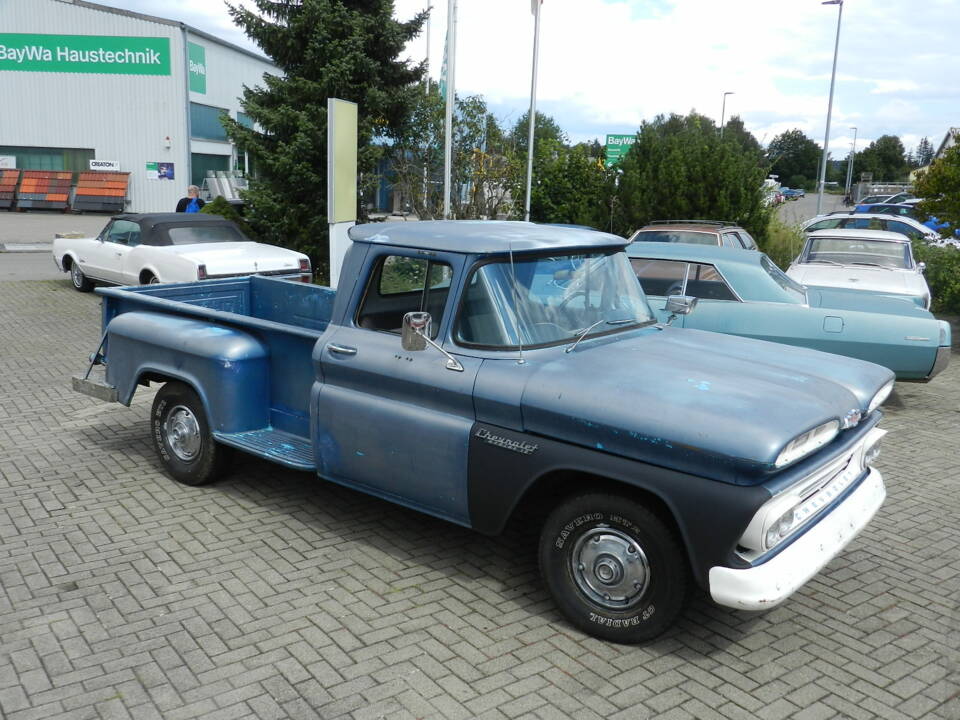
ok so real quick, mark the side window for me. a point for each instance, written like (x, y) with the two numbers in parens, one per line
(121, 232)
(659, 277)
(825, 224)
(902, 227)
(706, 283)
(731, 239)
(399, 285)
(748, 242)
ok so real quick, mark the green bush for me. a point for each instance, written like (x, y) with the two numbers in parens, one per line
(943, 276)
(782, 242)
(220, 206)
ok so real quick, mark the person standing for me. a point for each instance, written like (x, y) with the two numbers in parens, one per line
(192, 202)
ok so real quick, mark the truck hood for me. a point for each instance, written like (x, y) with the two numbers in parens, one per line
(700, 402)
(232, 258)
(860, 277)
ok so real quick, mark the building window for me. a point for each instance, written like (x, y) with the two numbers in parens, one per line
(205, 122)
(245, 120)
(202, 164)
(36, 158)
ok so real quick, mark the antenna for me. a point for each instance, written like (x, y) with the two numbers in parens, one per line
(516, 300)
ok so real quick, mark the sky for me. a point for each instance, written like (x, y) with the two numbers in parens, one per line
(607, 65)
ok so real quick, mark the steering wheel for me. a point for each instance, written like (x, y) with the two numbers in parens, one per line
(567, 300)
(676, 288)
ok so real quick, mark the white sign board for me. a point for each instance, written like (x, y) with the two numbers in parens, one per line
(8, 161)
(113, 165)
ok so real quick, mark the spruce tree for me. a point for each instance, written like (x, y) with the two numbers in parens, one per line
(347, 49)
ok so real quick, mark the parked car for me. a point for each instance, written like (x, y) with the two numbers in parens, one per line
(697, 232)
(793, 193)
(909, 209)
(470, 369)
(868, 261)
(873, 199)
(745, 293)
(905, 209)
(855, 220)
(140, 249)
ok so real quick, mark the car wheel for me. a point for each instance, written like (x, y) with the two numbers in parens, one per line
(182, 436)
(614, 569)
(80, 281)
(150, 279)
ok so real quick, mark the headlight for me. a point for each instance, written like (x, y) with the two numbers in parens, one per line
(806, 443)
(879, 398)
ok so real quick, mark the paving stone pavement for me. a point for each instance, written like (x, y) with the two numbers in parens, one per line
(274, 595)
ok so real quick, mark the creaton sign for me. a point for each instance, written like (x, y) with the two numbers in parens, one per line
(104, 54)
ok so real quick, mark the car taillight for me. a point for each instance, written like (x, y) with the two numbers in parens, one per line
(201, 272)
(304, 265)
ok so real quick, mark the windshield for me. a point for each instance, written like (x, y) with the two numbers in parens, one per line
(555, 299)
(677, 236)
(794, 289)
(193, 234)
(859, 251)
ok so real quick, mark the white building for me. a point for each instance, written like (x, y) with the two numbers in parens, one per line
(81, 82)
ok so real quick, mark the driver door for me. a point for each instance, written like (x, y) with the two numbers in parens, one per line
(392, 422)
(116, 247)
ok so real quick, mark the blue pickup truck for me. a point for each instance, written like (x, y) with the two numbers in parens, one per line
(473, 369)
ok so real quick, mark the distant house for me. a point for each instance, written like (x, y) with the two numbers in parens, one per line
(949, 140)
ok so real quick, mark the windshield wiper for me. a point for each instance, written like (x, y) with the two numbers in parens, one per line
(870, 264)
(581, 334)
(826, 262)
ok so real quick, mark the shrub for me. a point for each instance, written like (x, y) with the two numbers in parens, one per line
(943, 276)
(220, 206)
(782, 242)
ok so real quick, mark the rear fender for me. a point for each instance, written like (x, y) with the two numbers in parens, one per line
(228, 368)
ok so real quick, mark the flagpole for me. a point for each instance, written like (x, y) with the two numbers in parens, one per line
(451, 93)
(532, 118)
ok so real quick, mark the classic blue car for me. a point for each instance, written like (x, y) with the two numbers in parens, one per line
(472, 369)
(793, 193)
(744, 293)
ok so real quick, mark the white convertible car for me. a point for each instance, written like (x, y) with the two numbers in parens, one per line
(138, 249)
(873, 261)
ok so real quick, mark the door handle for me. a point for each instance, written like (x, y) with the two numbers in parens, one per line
(341, 349)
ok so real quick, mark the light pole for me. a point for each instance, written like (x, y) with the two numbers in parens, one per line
(833, 77)
(532, 116)
(850, 164)
(723, 111)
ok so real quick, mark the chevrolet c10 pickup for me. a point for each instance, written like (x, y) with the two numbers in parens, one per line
(477, 370)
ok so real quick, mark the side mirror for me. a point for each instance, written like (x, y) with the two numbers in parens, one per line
(680, 304)
(415, 331)
(922, 266)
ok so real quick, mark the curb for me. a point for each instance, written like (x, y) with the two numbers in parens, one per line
(12, 247)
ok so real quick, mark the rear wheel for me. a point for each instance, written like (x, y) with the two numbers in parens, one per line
(80, 281)
(182, 436)
(614, 568)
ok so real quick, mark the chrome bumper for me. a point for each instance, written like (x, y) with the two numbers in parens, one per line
(940, 364)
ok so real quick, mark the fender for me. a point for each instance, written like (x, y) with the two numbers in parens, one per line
(711, 515)
(228, 368)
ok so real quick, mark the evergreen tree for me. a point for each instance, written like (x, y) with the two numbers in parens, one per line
(924, 153)
(347, 49)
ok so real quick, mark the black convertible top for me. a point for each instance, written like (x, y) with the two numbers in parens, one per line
(154, 226)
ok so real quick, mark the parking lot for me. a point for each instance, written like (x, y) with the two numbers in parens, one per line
(274, 595)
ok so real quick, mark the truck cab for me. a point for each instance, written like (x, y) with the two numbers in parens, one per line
(469, 369)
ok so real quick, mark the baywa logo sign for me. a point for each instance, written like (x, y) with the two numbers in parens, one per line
(107, 54)
(197, 57)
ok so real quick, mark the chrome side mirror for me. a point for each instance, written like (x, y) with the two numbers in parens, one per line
(680, 304)
(921, 266)
(415, 331)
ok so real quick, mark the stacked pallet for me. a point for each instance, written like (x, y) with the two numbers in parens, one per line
(44, 189)
(104, 191)
(8, 184)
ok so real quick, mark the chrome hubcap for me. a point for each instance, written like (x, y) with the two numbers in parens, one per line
(76, 274)
(182, 432)
(610, 568)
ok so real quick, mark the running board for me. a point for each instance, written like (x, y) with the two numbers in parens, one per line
(98, 390)
(274, 445)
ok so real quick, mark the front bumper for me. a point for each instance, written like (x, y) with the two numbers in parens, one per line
(767, 585)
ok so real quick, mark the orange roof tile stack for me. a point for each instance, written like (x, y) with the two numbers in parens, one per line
(105, 191)
(8, 185)
(46, 189)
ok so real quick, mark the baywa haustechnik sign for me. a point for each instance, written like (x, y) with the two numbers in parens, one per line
(110, 54)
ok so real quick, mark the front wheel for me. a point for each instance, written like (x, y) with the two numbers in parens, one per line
(614, 568)
(182, 436)
(80, 281)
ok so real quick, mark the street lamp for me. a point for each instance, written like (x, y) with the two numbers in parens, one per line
(833, 77)
(850, 164)
(723, 112)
